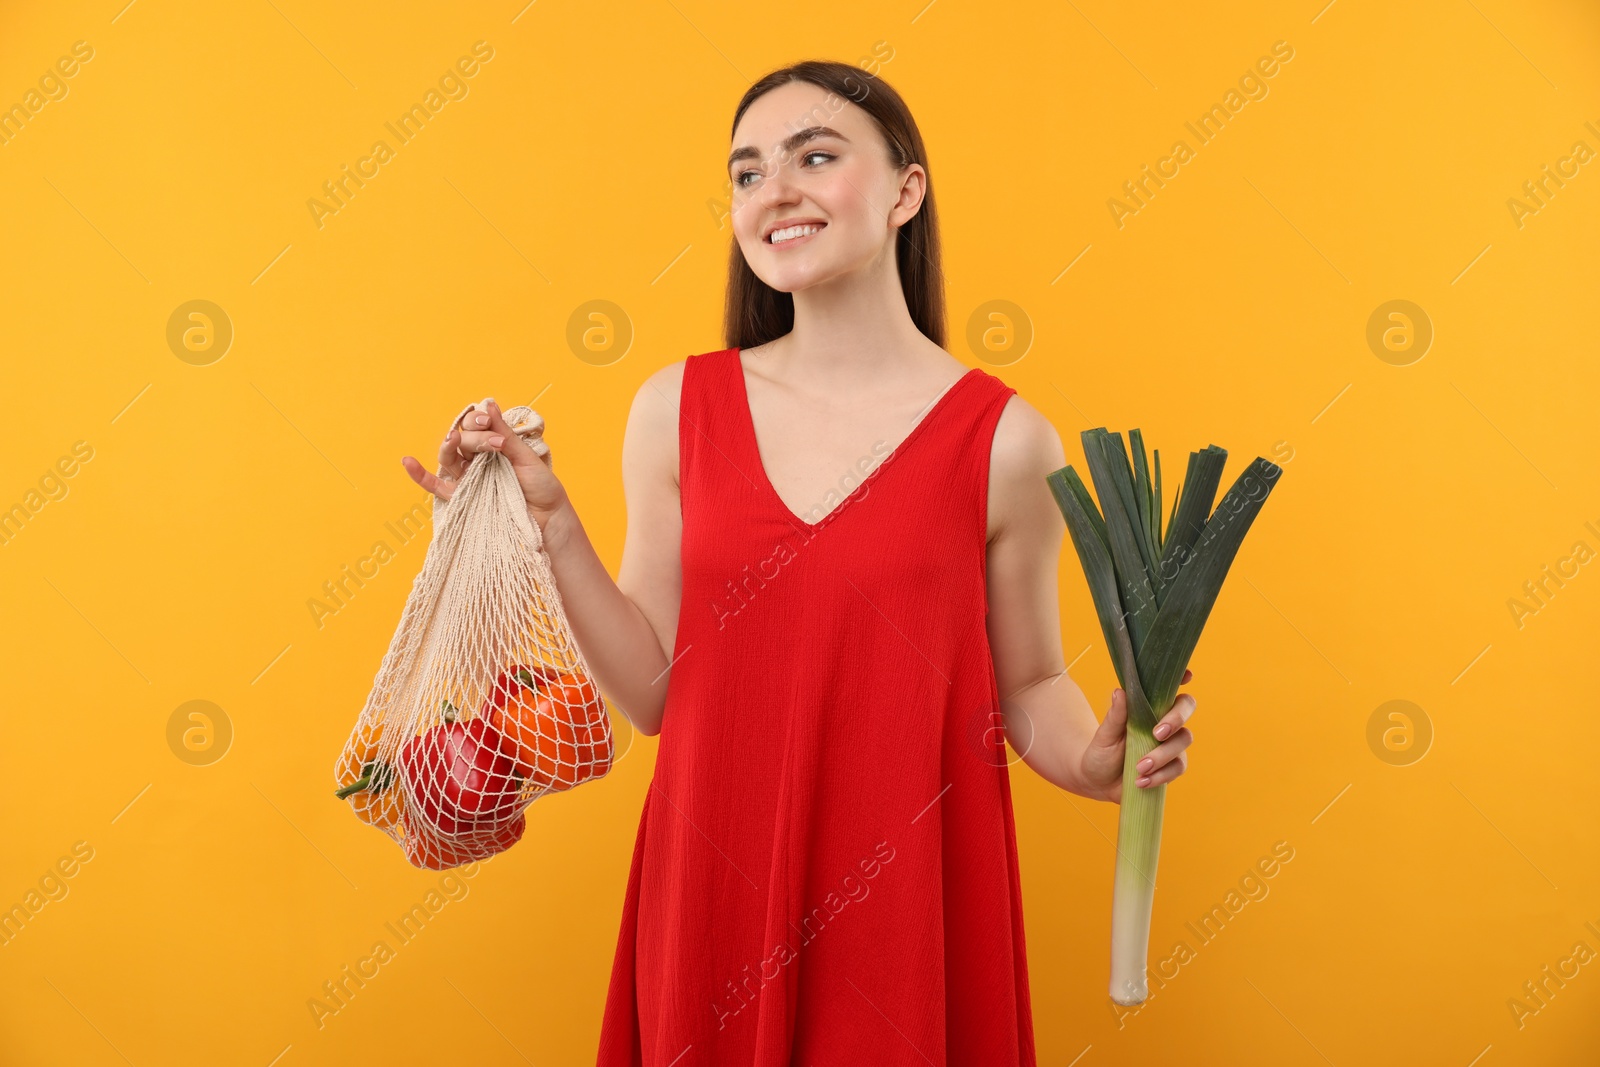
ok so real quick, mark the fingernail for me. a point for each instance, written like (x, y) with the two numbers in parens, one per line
(1162, 731)
(497, 440)
(1144, 765)
(1144, 783)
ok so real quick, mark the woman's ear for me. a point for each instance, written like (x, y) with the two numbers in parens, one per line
(913, 187)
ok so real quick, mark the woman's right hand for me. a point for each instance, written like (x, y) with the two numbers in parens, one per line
(483, 430)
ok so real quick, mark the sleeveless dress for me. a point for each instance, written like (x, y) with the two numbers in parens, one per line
(825, 871)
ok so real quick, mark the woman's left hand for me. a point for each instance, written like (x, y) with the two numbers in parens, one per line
(1103, 757)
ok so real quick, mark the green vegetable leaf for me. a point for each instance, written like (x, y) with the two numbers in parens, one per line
(1108, 465)
(1095, 555)
(1166, 652)
(1194, 505)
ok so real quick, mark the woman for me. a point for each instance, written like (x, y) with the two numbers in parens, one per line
(841, 551)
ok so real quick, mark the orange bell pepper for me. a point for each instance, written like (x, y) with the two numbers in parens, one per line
(556, 723)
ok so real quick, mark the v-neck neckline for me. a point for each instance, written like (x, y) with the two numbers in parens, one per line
(761, 467)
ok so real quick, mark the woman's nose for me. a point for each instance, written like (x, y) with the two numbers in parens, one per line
(779, 186)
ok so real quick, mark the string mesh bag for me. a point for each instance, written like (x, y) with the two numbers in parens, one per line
(483, 702)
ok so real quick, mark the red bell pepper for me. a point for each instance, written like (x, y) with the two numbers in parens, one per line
(463, 775)
(426, 850)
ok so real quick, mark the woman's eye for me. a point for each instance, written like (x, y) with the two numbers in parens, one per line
(805, 160)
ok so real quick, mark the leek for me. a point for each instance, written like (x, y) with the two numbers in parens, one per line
(1152, 590)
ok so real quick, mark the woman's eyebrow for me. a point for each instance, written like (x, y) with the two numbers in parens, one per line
(790, 143)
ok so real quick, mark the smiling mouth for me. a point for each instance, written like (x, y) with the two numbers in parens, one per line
(789, 234)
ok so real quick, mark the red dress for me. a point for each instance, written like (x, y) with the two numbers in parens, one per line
(825, 871)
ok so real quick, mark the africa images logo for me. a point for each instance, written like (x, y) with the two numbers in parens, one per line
(1252, 86)
(452, 85)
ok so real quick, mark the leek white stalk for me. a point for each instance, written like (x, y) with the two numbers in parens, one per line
(1153, 590)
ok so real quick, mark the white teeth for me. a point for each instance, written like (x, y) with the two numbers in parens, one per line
(791, 232)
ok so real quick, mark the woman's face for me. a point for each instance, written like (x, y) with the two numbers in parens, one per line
(805, 157)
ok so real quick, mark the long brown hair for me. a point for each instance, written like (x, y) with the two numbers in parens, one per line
(754, 312)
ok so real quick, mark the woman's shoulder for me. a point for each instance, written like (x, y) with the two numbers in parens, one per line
(667, 382)
(653, 418)
(651, 439)
(1026, 447)
(650, 442)
(654, 414)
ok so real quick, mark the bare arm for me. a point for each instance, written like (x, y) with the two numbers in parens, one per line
(1047, 718)
(651, 575)
(626, 627)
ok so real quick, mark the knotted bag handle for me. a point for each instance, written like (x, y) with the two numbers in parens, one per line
(527, 423)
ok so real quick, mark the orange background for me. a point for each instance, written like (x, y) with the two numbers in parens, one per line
(584, 163)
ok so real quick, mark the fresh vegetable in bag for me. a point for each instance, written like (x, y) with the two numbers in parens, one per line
(548, 717)
(483, 628)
